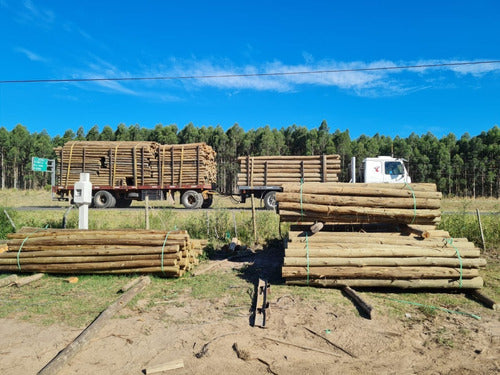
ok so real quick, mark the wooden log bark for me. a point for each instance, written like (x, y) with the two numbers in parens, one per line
(22, 281)
(365, 307)
(309, 217)
(384, 261)
(87, 267)
(9, 280)
(361, 201)
(172, 365)
(394, 252)
(403, 215)
(59, 361)
(474, 283)
(374, 272)
(366, 190)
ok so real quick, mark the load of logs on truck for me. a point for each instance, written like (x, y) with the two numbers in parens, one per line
(123, 171)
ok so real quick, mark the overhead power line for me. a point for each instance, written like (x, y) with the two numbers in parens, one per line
(270, 74)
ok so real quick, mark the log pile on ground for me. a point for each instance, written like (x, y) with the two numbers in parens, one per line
(373, 235)
(61, 251)
(360, 203)
(381, 259)
(129, 163)
(274, 170)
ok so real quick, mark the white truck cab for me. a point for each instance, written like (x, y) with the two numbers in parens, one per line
(385, 169)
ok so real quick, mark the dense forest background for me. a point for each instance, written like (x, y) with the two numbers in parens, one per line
(465, 166)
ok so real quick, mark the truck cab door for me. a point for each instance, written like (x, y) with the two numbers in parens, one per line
(374, 171)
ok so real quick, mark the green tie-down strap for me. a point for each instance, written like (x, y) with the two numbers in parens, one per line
(22, 244)
(162, 249)
(450, 242)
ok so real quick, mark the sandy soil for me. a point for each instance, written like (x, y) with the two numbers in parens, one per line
(214, 338)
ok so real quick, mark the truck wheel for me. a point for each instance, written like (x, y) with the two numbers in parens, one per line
(123, 203)
(191, 199)
(104, 199)
(270, 200)
(208, 202)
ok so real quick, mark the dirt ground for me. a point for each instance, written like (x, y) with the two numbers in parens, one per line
(214, 338)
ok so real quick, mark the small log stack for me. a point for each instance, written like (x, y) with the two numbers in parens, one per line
(131, 163)
(360, 203)
(276, 170)
(100, 251)
(373, 235)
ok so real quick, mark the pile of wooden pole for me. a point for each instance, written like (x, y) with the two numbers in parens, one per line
(100, 251)
(108, 163)
(136, 163)
(381, 259)
(192, 164)
(360, 203)
(275, 170)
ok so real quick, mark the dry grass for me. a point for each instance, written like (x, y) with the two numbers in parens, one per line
(469, 204)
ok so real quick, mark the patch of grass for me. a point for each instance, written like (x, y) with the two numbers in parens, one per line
(465, 225)
(469, 204)
(52, 300)
(5, 225)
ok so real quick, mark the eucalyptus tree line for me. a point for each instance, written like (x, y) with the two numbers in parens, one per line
(465, 166)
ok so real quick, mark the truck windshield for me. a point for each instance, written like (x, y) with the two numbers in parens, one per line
(393, 168)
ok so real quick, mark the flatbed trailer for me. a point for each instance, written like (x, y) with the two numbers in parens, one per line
(191, 196)
(121, 172)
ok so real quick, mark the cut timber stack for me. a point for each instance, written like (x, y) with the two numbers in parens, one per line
(373, 235)
(108, 163)
(100, 251)
(381, 259)
(360, 203)
(188, 164)
(275, 170)
(136, 163)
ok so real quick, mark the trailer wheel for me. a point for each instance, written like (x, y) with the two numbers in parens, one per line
(123, 203)
(191, 199)
(208, 202)
(104, 199)
(270, 200)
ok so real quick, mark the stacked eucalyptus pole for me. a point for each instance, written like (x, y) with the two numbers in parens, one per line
(360, 203)
(381, 259)
(374, 235)
(192, 163)
(276, 170)
(108, 163)
(131, 163)
(165, 253)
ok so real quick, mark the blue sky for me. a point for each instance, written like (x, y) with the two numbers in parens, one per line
(90, 39)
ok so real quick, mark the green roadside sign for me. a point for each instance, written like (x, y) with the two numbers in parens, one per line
(39, 164)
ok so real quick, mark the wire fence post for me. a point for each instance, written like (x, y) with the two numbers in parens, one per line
(481, 228)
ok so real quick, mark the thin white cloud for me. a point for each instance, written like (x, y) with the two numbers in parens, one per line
(44, 15)
(364, 83)
(99, 68)
(223, 74)
(31, 55)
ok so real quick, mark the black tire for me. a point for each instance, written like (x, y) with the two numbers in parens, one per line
(208, 202)
(191, 199)
(104, 199)
(123, 203)
(270, 200)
